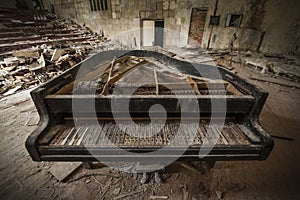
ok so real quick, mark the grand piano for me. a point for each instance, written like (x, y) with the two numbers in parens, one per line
(146, 106)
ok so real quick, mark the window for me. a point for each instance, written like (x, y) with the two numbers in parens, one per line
(97, 5)
(214, 20)
(233, 20)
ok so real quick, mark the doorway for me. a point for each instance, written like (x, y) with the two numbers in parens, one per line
(159, 33)
(153, 33)
(198, 19)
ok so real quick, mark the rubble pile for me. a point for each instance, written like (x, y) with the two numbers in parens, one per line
(37, 46)
(268, 64)
(30, 68)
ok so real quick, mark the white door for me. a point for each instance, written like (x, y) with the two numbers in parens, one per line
(148, 32)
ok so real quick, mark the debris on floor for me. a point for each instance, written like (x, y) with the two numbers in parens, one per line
(128, 194)
(44, 193)
(274, 66)
(23, 72)
(185, 192)
(158, 197)
(219, 194)
(62, 170)
(32, 53)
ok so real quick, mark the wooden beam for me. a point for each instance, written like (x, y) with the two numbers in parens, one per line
(193, 84)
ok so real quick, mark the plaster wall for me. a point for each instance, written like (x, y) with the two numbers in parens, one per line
(267, 25)
(282, 27)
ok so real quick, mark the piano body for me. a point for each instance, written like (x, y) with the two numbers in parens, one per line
(65, 135)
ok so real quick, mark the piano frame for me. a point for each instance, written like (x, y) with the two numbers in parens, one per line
(52, 109)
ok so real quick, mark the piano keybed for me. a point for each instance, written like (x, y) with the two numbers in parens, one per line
(108, 133)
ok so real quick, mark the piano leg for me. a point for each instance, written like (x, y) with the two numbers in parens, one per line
(203, 166)
(157, 178)
(211, 164)
(144, 178)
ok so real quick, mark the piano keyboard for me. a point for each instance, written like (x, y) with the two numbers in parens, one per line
(107, 133)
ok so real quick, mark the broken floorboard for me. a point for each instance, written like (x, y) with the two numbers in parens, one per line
(63, 170)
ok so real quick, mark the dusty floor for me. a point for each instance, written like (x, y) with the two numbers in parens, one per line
(276, 178)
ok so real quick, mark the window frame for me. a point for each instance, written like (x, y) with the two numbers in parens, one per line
(230, 23)
(214, 20)
(99, 5)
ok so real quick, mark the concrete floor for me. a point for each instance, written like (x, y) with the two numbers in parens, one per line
(276, 178)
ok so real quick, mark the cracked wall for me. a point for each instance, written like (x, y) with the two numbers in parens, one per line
(267, 25)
